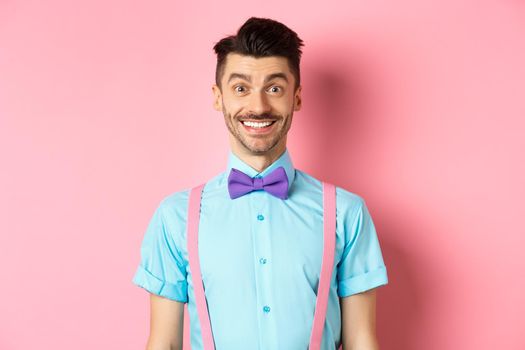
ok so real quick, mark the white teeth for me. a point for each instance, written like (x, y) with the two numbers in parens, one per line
(256, 124)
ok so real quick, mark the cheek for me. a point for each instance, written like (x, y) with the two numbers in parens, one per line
(284, 105)
(233, 106)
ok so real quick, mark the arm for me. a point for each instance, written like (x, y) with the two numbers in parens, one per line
(166, 322)
(359, 321)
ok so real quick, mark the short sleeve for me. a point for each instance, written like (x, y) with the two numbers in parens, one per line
(161, 271)
(361, 266)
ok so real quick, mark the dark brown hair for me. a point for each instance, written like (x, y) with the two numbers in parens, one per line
(261, 37)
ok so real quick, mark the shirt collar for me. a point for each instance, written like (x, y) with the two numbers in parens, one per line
(284, 160)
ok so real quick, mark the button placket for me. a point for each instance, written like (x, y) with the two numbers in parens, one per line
(262, 257)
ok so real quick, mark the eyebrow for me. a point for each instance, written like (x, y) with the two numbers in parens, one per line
(249, 78)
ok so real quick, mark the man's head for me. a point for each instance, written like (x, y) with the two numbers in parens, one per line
(258, 80)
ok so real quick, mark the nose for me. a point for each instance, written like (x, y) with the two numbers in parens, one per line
(258, 103)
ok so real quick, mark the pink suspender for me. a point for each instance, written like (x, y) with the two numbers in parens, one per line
(329, 209)
(326, 266)
(193, 257)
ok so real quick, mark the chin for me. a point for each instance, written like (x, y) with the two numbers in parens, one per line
(262, 149)
(257, 150)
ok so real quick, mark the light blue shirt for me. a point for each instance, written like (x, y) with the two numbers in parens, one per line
(261, 259)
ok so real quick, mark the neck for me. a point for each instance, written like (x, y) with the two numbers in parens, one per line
(259, 161)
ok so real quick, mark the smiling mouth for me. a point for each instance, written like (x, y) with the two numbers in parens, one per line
(258, 127)
(258, 124)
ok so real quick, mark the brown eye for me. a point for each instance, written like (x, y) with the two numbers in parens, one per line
(239, 88)
(275, 89)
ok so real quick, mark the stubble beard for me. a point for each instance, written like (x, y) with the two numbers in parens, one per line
(275, 138)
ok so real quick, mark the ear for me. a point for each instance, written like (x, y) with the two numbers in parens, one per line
(217, 98)
(297, 99)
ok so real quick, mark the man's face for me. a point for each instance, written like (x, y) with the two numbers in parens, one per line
(257, 99)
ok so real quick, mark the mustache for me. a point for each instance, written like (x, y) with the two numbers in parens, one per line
(264, 116)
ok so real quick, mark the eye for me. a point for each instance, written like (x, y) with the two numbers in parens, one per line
(275, 88)
(239, 89)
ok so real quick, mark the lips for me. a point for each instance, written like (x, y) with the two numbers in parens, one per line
(257, 123)
(257, 126)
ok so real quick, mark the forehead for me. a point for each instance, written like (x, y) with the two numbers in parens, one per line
(257, 68)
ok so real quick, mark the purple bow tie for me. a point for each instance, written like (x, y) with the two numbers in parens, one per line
(275, 183)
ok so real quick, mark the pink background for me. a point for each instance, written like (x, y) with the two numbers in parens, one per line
(106, 107)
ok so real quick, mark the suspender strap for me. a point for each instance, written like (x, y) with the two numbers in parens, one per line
(326, 266)
(193, 257)
(329, 225)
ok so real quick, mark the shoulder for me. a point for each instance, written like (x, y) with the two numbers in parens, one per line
(347, 202)
(172, 207)
(175, 204)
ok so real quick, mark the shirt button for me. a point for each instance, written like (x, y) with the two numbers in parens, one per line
(266, 308)
(260, 217)
(262, 260)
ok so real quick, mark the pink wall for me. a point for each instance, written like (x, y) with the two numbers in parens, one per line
(419, 107)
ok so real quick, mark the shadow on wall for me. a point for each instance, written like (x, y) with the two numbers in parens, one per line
(344, 107)
(341, 113)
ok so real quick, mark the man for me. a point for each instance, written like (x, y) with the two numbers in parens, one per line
(260, 252)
